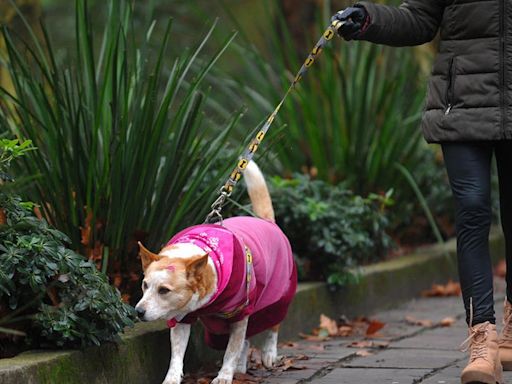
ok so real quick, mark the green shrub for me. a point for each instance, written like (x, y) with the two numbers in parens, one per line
(330, 228)
(49, 293)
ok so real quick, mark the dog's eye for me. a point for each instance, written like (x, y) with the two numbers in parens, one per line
(163, 290)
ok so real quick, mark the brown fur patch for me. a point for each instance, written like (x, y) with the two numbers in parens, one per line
(147, 257)
(199, 275)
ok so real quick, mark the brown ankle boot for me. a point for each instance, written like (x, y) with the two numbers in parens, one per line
(505, 340)
(484, 364)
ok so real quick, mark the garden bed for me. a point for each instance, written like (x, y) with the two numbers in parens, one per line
(143, 354)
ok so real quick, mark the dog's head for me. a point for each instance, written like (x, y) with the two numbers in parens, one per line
(172, 285)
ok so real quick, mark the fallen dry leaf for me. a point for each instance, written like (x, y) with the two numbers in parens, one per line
(246, 378)
(329, 325)
(422, 323)
(364, 353)
(345, 331)
(438, 290)
(369, 344)
(289, 363)
(447, 322)
(373, 327)
(361, 344)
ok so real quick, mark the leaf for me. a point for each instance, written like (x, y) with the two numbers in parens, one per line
(329, 325)
(361, 344)
(374, 327)
(290, 364)
(364, 353)
(447, 322)
(449, 289)
(422, 323)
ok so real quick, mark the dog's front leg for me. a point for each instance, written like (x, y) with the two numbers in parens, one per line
(179, 341)
(233, 351)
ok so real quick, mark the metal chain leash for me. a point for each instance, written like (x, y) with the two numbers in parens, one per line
(247, 155)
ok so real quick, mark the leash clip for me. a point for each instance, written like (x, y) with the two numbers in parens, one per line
(215, 214)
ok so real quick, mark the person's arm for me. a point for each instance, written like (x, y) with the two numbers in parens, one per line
(413, 23)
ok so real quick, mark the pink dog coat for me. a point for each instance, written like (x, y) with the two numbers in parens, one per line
(268, 292)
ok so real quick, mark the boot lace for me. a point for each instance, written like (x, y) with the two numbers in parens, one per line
(477, 339)
(476, 342)
(506, 333)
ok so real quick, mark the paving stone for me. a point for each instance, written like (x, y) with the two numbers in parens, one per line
(410, 358)
(451, 375)
(299, 374)
(371, 376)
(448, 338)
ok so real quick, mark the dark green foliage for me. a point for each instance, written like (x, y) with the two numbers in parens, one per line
(69, 301)
(48, 292)
(329, 226)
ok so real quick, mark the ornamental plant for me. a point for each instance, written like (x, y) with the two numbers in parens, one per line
(330, 228)
(49, 295)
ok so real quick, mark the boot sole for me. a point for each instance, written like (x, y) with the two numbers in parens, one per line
(479, 378)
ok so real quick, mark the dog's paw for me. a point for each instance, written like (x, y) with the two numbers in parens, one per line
(222, 379)
(172, 380)
(269, 357)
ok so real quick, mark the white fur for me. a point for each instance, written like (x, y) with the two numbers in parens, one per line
(233, 352)
(179, 341)
(269, 349)
(253, 176)
(241, 366)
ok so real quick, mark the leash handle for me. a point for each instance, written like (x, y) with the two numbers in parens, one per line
(253, 146)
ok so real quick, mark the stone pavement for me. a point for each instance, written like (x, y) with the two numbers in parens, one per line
(415, 354)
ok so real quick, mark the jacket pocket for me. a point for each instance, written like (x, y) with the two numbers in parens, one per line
(450, 87)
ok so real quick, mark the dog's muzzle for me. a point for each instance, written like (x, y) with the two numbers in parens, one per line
(140, 313)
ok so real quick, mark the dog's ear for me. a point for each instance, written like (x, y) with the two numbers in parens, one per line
(196, 264)
(146, 256)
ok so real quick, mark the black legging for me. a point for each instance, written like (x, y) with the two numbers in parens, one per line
(468, 166)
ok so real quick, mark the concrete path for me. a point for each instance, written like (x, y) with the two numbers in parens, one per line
(415, 354)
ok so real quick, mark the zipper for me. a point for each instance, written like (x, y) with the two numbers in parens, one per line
(450, 87)
(502, 67)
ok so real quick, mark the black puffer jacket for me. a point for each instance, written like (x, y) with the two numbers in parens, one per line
(470, 91)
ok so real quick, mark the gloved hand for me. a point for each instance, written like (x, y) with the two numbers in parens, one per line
(355, 19)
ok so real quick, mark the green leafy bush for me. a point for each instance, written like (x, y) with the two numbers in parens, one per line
(49, 293)
(330, 228)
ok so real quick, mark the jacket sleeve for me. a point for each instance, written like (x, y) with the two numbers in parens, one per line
(414, 22)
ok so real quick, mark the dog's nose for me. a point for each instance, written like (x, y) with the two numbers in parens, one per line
(140, 312)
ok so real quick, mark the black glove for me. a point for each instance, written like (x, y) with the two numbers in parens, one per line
(355, 19)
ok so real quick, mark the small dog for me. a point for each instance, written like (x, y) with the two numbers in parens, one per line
(238, 278)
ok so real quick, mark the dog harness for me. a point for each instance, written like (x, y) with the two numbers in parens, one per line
(256, 273)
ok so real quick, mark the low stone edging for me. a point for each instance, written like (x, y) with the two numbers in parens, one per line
(143, 354)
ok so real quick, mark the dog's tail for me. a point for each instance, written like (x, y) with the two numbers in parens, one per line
(258, 192)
